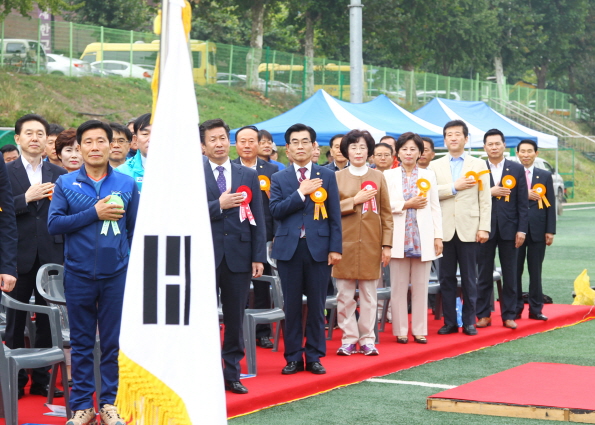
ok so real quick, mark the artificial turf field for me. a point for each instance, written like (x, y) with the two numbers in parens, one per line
(384, 403)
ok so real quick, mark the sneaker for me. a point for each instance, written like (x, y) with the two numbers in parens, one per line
(83, 417)
(109, 415)
(347, 350)
(369, 350)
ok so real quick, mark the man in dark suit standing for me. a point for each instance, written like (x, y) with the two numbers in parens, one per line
(509, 227)
(247, 148)
(308, 241)
(239, 241)
(8, 234)
(32, 182)
(542, 228)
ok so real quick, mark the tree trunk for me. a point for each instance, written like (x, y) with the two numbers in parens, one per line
(309, 53)
(254, 57)
(500, 79)
(541, 74)
(409, 85)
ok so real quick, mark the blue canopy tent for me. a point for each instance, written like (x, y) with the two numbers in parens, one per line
(480, 118)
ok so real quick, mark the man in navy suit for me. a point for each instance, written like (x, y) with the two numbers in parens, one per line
(509, 227)
(32, 181)
(239, 243)
(542, 228)
(306, 245)
(247, 148)
(8, 234)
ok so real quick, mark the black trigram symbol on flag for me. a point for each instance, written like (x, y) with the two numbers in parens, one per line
(172, 291)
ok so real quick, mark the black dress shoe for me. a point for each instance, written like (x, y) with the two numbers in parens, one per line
(316, 368)
(44, 391)
(21, 393)
(235, 387)
(293, 367)
(264, 342)
(537, 316)
(469, 330)
(448, 329)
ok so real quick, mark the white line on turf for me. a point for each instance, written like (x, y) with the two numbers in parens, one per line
(576, 209)
(419, 384)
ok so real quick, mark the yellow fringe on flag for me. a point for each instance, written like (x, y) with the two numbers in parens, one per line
(144, 398)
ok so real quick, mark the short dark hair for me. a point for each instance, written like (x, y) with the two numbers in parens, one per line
(456, 123)
(64, 139)
(247, 127)
(405, 137)
(264, 134)
(300, 127)
(55, 129)
(386, 137)
(530, 142)
(493, 132)
(8, 148)
(211, 124)
(18, 126)
(119, 128)
(353, 137)
(142, 122)
(336, 136)
(90, 125)
(430, 141)
(384, 145)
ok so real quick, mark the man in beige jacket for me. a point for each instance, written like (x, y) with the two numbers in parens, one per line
(464, 192)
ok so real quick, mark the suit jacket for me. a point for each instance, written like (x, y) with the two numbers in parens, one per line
(429, 219)
(322, 235)
(32, 218)
(8, 226)
(512, 216)
(240, 242)
(542, 221)
(266, 169)
(469, 210)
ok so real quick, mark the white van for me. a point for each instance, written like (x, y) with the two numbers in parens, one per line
(23, 55)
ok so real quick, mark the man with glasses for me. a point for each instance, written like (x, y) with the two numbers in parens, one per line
(383, 156)
(308, 241)
(120, 145)
(135, 166)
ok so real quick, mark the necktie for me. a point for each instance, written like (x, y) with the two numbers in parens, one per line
(528, 174)
(221, 183)
(303, 172)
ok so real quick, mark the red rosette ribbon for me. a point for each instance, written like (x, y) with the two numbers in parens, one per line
(369, 185)
(245, 211)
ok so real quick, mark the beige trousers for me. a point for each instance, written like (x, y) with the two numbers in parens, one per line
(361, 330)
(405, 271)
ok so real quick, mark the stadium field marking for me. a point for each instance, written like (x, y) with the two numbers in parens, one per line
(419, 384)
(576, 209)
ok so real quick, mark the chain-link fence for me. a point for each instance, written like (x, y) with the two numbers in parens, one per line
(110, 52)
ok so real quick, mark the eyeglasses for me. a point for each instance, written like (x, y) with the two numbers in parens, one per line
(119, 141)
(382, 155)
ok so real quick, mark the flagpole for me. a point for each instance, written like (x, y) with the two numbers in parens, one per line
(164, 35)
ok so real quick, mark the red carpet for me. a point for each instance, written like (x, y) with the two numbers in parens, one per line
(532, 384)
(270, 387)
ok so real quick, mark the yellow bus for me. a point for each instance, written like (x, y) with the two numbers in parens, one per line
(205, 67)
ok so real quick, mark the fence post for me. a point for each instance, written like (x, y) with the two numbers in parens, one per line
(131, 51)
(230, 66)
(70, 47)
(447, 88)
(384, 81)
(291, 71)
(477, 82)
(38, 45)
(461, 88)
(207, 62)
(267, 73)
(304, 76)
(323, 68)
(101, 40)
(425, 86)
(340, 82)
(2, 46)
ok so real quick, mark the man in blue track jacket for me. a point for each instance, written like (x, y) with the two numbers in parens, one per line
(95, 209)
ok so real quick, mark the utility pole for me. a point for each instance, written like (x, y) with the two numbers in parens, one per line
(355, 52)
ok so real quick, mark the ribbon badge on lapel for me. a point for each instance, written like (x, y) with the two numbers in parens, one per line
(245, 211)
(424, 186)
(113, 200)
(476, 176)
(319, 197)
(369, 185)
(265, 184)
(509, 182)
(540, 190)
(51, 193)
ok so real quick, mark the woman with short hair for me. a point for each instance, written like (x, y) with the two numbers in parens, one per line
(68, 150)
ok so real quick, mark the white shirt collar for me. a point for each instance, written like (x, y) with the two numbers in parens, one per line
(226, 165)
(28, 165)
(143, 160)
(308, 166)
(498, 165)
(253, 167)
(531, 168)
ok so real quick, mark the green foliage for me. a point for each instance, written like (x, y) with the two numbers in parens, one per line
(25, 7)
(134, 15)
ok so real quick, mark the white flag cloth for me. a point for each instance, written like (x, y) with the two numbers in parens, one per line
(169, 341)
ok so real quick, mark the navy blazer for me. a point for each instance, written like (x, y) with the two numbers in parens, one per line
(512, 216)
(542, 221)
(8, 225)
(32, 218)
(322, 235)
(266, 169)
(240, 242)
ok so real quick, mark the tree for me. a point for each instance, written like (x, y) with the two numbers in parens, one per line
(134, 15)
(25, 7)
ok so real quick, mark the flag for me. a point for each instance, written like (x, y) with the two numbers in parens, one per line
(169, 341)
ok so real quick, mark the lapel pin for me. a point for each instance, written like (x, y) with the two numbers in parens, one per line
(507, 169)
(536, 177)
(318, 173)
(261, 167)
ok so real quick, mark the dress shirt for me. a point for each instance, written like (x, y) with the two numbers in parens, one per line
(496, 170)
(143, 160)
(456, 167)
(308, 167)
(253, 167)
(531, 168)
(226, 172)
(33, 174)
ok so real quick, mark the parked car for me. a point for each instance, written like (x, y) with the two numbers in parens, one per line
(123, 69)
(61, 65)
(23, 55)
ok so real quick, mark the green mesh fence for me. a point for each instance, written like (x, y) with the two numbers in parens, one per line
(268, 71)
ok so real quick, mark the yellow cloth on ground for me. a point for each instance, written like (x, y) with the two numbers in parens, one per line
(584, 294)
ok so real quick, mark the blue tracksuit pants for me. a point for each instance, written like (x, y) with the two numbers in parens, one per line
(94, 305)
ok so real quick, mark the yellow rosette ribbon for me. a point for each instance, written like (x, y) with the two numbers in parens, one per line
(265, 184)
(509, 182)
(476, 176)
(319, 196)
(540, 190)
(424, 186)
